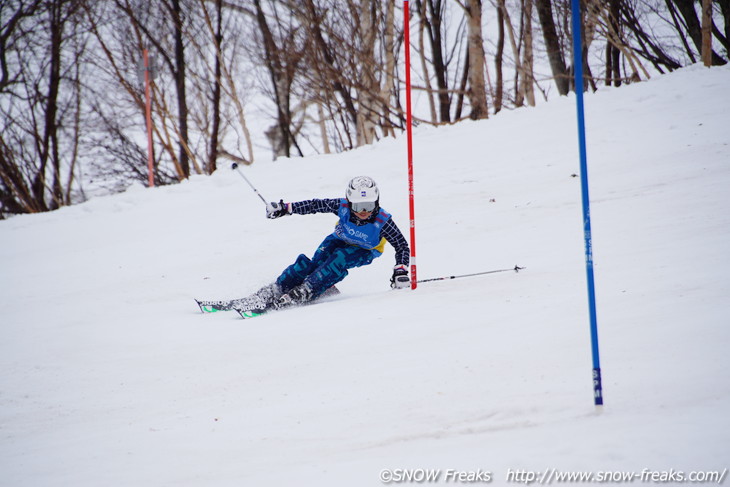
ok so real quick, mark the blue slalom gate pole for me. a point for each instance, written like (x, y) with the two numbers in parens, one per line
(578, 72)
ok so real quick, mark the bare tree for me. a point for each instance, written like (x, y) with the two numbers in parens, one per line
(693, 27)
(72, 110)
(724, 35)
(122, 30)
(388, 89)
(281, 56)
(218, 114)
(499, 60)
(476, 65)
(433, 12)
(527, 64)
(177, 66)
(552, 44)
(217, 89)
(331, 59)
(614, 37)
(351, 68)
(424, 62)
(40, 90)
(706, 50)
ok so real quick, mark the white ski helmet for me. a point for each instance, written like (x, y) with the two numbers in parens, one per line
(363, 194)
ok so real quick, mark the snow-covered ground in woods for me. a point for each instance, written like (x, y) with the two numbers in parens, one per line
(110, 375)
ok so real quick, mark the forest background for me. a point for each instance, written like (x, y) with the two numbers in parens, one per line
(245, 80)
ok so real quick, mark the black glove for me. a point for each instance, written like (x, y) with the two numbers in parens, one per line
(276, 210)
(400, 277)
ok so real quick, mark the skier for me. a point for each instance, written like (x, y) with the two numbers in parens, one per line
(359, 237)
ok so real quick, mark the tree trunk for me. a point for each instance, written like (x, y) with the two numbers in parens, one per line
(707, 32)
(462, 86)
(552, 44)
(498, 61)
(613, 53)
(519, 75)
(477, 87)
(725, 11)
(694, 28)
(48, 143)
(439, 61)
(182, 104)
(386, 88)
(527, 56)
(424, 62)
(313, 22)
(213, 150)
(281, 66)
(367, 108)
(433, 22)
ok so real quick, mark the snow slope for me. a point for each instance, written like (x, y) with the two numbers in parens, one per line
(111, 376)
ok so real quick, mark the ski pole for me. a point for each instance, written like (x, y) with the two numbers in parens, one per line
(445, 278)
(235, 166)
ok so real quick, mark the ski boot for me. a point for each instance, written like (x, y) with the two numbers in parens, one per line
(301, 294)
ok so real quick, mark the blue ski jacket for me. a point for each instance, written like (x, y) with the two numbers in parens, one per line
(370, 234)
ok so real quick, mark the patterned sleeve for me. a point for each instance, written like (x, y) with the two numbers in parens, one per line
(308, 207)
(393, 235)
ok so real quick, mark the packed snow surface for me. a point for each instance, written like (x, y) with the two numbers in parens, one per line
(111, 376)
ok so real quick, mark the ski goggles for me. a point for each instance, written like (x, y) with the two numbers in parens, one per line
(364, 206)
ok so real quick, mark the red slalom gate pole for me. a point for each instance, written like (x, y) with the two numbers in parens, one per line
(409, 133)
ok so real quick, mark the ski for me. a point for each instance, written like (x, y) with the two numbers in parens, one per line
(251, 314)
(213, 306)
(247, 307)
(247, 311)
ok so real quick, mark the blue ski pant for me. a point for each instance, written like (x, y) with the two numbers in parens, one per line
(327, 267)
